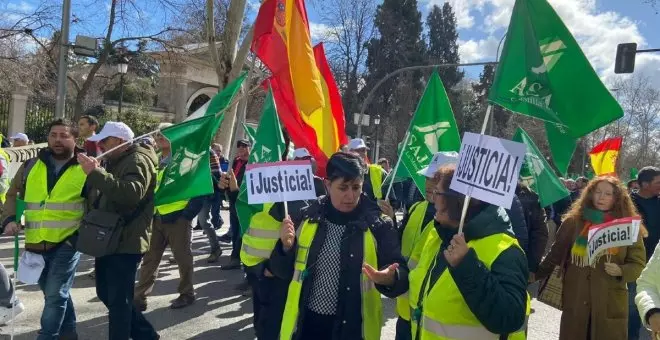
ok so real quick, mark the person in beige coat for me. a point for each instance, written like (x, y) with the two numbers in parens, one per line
(648, 294)
(595, 298)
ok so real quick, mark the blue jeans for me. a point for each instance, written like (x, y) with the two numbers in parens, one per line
(59, 316)
(205, 220)
(634, 321)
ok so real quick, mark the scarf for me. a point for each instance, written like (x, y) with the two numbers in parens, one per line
(591, 217)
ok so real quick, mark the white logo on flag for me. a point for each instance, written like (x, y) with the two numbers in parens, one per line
(432, 133)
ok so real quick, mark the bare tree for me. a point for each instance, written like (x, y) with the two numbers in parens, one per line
(348, 26)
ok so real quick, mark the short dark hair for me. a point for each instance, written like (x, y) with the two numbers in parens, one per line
(346, 166)
(91, 120)
(631, 182)
(73, 128)
(647, 174)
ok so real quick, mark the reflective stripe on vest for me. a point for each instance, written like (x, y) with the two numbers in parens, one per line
(53, 216)
(412, 233)
(6, 180)
(443, 313)
(372, 311)
(260, 238)
(168, 208)
(376, 176)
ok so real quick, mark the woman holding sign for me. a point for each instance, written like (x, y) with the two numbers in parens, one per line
(471, 285)
(340, 254)
(594, 294)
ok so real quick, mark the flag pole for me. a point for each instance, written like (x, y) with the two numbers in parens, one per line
(466, 203)
(396, 167)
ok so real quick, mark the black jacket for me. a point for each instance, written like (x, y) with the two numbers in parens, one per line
(233, 195)
(517, 219)
(350, 270)
(498, 296)
(537, 229)
(649, 209)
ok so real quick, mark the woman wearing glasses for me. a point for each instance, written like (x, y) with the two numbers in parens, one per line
(471, 285)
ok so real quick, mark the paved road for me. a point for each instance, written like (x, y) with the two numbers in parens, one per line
(219, 313)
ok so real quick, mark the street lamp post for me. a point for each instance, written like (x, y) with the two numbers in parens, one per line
(377, 143)
(122, 68)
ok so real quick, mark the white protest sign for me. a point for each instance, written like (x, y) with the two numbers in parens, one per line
(280, 182)
(618, 233)
(488, 168)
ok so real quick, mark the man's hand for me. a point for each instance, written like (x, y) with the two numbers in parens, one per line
(88, 164)
(233, 183)
(223, 184)
(654, 322)
(12, 229)
(386, 208)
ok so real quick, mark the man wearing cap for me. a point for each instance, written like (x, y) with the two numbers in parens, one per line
(373, 180)
(235, 175)
(52, 185)
(173, 227)
(19, 139)
(126, 188)
(418, 219)
(302, 154)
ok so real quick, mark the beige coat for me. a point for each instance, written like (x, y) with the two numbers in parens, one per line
(595, 304)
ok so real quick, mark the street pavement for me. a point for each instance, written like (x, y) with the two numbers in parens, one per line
(220, 312)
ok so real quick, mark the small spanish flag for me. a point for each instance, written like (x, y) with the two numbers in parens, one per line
(604, 156)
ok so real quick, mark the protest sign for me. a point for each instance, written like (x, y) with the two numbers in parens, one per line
(20, 154)
(618, 233)
(279, 182)
(488, 168)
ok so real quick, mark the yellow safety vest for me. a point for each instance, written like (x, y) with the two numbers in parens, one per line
(412, 235)
(444, 313)
(53, 216)
(168, 208)
(376, 176)
(4, 154)
(260, 238)
(372, 309)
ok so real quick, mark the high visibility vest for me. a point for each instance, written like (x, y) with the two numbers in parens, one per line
(372, 310)
(443, 313)
(412, 235)
(168, 208)
(4, 154)
(53, 216)
(260, 238)
(376, 176)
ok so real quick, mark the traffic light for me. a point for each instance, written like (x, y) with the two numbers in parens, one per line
(625, 58)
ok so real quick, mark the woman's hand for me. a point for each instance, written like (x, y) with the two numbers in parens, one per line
(386, 208)
(456, 251)
(385, 277)
(654, 322)
(613, 269)
(287, 233)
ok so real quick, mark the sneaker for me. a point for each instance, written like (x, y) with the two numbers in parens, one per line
(232, 265)
(6, 312)
(182, 301)
(140, 305)
(226, 238)
(213, 258)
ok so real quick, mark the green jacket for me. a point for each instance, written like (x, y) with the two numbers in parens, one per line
(126, 181)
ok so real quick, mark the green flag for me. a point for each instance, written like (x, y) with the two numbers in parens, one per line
(188, 173)
(562, 146)
(268, 147)
(249, 132)
(536, 172)
(432, 129)
(633, 173)
(544, 74)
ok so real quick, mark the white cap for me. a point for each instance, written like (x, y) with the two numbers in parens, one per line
(356, 144)
(439, 159)
(20, 136)
(113, 129)
(301, 153)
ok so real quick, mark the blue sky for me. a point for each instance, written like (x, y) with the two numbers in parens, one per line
(599, 25)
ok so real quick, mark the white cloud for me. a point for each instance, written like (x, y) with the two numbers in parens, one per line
(463, 10)
(478, 50)
(319, 31)
(21, 6)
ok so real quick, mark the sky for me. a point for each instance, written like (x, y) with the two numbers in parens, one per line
(598, 25)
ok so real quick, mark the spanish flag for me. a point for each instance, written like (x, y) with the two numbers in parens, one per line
(604, 156)
(283, 43)
(322, 132)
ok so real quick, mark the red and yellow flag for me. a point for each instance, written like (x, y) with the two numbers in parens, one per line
(283, 43)
(604, 156)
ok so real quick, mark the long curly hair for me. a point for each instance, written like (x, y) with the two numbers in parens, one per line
(623, 204)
